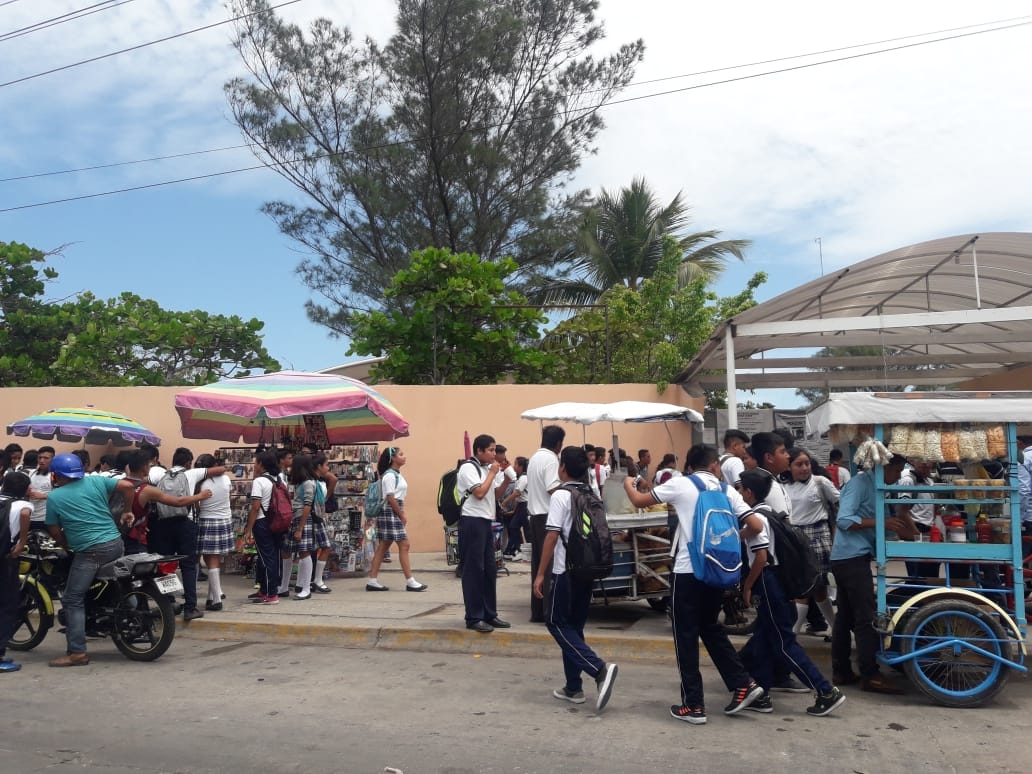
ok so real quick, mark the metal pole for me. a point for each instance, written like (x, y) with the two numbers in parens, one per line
(732, 388)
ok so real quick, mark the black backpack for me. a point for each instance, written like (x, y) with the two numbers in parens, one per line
(6, 538)
(797, 567)
(589, 549)
(449, 499)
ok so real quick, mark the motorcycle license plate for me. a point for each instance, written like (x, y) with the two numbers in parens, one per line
(169, 584)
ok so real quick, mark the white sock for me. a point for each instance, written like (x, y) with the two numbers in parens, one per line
(286, 565)
(829, 611)
(320, 568)
(304, 574)
(411, 581)
(373, 582)
(801, 609)
(214, 585)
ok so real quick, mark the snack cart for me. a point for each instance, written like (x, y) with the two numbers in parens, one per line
(641, 545)
(957, 636)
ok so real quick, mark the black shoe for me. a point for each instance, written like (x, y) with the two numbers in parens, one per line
(371, 587)
(826, 703)
(762, 704)
(324, 589)
(481, 626)
(694, 715)
(213, 606)
(790, 685)
(297, 589)
(498, 623)
(742, 698)
(256, 597)
(605, 686)
(192, 615)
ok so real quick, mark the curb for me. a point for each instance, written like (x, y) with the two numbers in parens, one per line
(520, 644)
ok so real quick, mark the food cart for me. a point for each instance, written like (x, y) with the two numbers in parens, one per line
(641, 546)
(957, 637)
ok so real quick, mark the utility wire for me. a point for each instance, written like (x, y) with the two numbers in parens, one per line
(145, 45)
(74, 15)
(636, 83)
(572, 114)
(7, 2)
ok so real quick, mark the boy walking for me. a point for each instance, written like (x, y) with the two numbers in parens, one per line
(695, 605)
(774, 644)
(568, 598)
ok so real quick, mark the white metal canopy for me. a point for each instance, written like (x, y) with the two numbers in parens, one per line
(951, 310)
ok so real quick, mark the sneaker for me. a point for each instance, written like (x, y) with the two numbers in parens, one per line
(574, 697)
(9, 666)
(605, 686)
(762, 704)
(790, 685)
(826, 703)
(256, 597)
(270, 600)
(694, 715)
(817, 631)
(743, 697)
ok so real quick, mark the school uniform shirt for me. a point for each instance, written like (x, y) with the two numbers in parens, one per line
(857, 502)
(810, 500)
(216, 506)
(923, 513)
(40, 482)
(778, 498)
(665, 474)
(763, 541)
(16, 511)
(261, 490)
(681, 493)
(732, 469)
(157, 472)
(471, 475)
(521, 487)
(393, 483)
(542, 477)
(559, 520)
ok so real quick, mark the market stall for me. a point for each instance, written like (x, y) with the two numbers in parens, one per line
(960, 634)
(641, 546)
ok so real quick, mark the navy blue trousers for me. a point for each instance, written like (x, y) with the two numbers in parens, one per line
(479, 570)
(566, 611)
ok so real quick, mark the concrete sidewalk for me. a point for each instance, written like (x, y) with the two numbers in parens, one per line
(429, 621)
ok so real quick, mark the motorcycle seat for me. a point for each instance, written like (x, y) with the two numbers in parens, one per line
(123, 566)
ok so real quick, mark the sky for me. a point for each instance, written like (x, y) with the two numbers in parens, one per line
(866, 155)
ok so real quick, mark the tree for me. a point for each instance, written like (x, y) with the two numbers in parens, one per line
(817, 395)
(461, 132)
(623, 239)
(653, 330)
(127, 340)
(464, 326)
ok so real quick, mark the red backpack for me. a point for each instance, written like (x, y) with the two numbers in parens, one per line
(280, 512)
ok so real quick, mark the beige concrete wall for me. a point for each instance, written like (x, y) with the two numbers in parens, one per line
(437, 416)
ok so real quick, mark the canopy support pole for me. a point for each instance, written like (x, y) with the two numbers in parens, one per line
(729, 366)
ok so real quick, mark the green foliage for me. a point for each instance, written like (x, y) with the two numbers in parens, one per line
(463, 327)
(461, 132)
(652, 331)
(814, 396)
(126, 340)
(623, 240)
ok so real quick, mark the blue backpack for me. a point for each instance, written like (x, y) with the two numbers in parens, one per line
(715, 547)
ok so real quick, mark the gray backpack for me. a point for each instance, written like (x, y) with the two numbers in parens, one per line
(177, 484)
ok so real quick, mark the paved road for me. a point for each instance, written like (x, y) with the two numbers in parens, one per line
(251, 707)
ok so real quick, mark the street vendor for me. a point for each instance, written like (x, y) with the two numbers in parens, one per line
(852, 551)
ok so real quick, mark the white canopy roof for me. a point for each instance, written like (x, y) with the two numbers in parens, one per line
(952, 309)
(621, 411)
(865, 408)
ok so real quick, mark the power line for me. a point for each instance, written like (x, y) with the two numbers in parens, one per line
(144, 45)
(7, 2)
(53, 22)
(636, 83)
(570, 113)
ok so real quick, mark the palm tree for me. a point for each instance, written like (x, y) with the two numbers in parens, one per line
(621, 242)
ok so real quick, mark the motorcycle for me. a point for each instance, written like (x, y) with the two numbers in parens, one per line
(130, 600)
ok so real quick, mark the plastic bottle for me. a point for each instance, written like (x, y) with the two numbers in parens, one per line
(984, 529)
(935, 535)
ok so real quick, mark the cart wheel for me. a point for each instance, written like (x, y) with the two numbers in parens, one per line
(952, 673)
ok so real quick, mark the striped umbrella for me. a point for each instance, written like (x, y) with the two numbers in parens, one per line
(244, 408)
(83, 424)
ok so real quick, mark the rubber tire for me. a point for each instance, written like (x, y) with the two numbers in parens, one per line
(33, 620)
(125, 617)
(744, 628)
(929, 675)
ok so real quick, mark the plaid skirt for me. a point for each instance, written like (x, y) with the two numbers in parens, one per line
(389, 526)
(322, 540)
(215, 536)
(307, 541)
(820, 539)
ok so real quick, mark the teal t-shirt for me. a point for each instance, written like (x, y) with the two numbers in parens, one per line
(80, 508)
(856, 502)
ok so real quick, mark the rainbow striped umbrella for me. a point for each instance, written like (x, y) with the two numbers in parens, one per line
(247, 407)
(83, 424)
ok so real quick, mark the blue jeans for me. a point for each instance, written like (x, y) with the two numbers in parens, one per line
(774, 644)
(84, 568)
(566, 611)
